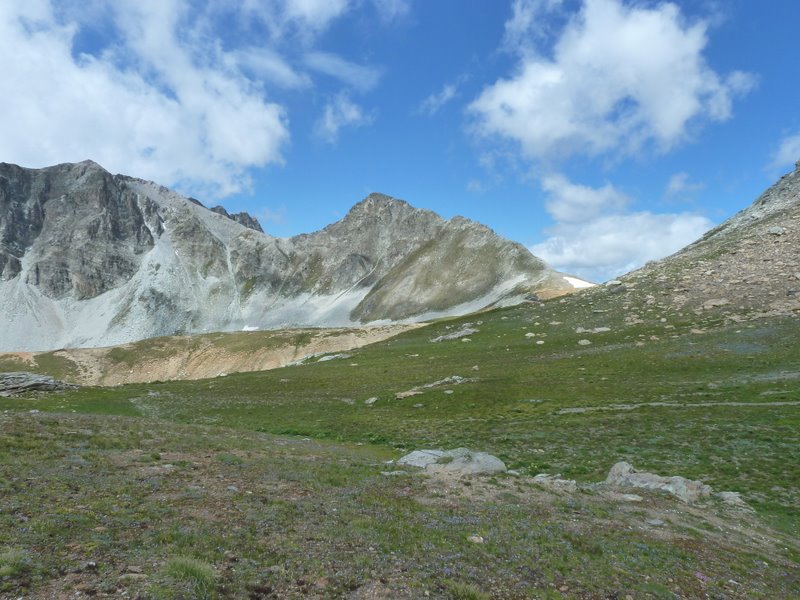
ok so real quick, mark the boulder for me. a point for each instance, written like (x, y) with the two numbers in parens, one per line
(623, 474)
(12, 384)
(460, 461)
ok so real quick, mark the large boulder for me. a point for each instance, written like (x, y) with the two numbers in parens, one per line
(623, 474)
(12, 384)
(460, 461)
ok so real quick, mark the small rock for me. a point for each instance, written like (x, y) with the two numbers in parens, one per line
(776, 230)
(233, 488)
(477, 368)
(584, 342)
(655, 522)
(555, 482)
(631, 497)
(418, 405)
(371, 401)
(131, 577)
(475, 539)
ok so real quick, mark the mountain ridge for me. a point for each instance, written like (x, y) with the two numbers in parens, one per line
(90, 258)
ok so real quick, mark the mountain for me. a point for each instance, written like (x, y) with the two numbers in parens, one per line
(88, 258)
(748, 266)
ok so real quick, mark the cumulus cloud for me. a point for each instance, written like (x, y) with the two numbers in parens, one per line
(158, 104)
(340, 112)
(360, 77)
(787, 154)
(617, 78)
(572, 203)
(595, 238)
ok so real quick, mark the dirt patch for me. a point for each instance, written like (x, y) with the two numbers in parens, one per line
(174, 359)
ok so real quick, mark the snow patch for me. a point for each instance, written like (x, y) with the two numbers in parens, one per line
(578, 284)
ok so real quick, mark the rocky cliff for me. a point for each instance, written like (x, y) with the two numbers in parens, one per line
(88, 258)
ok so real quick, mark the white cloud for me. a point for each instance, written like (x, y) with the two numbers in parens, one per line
(268, 65)
(360, 77)
(527, 23)
(340, 112)
(615, 244)
(680, 185)
(434, 102)
(788, 153)
(317, 13)
(163, 103)
(301, 19)
(620, 77)
(572, 203)
(595, 238)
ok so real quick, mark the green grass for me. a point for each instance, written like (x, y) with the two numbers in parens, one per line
(196, 574)
(13, 562)
(465, 591)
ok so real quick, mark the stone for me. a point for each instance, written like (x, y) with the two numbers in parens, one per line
(584, 342)
(555, 482)
(12, 384)
(460, 461)
(623, 474)
(461, 333)
(475, 539)
(371, 401)
(733, 500)
(776, 230)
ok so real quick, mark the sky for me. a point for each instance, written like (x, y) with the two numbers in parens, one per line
(599, 133)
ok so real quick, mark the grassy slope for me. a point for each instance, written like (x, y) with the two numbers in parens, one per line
(511, 409)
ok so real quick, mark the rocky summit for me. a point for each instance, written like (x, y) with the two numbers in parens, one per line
(88, 258)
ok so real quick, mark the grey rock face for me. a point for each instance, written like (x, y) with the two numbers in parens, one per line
(12, 384)
(89, 258)
(79, 228)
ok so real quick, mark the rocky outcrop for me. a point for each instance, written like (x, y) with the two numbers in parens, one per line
(624, 475)
(14, 384)
(460, 461)
(88, 259)
(243, 218)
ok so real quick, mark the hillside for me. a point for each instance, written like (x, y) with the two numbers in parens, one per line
(93, 259)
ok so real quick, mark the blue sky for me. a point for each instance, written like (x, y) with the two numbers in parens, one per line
(599, 133)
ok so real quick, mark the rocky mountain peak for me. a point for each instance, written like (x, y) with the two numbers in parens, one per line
(243, 218)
